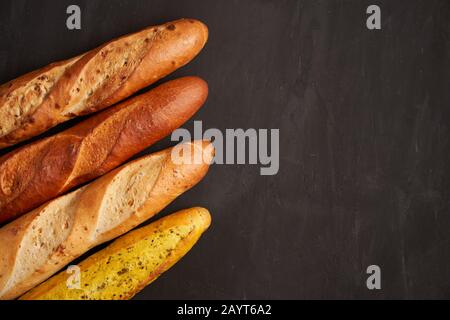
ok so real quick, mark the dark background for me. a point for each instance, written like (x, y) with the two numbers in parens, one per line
(364, 140)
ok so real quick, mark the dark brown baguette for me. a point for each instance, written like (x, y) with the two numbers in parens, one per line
(38, 172)
(39, 100)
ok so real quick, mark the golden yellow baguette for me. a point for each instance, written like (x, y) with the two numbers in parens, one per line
(131, 262)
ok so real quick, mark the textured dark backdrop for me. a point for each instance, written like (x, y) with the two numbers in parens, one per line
(364, 124)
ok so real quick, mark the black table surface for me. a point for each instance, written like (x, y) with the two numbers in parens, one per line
(364, 139)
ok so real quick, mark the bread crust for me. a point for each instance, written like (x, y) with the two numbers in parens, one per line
(86, 210)
(38, 172)
(39, 100)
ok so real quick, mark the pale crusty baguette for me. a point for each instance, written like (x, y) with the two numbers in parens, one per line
(40, 243)
(38, 172)
(131, 262)
(37, 101)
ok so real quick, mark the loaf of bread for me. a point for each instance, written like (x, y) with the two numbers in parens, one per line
(130, 263)
(37, 101)
(38, 244)
(38, 172)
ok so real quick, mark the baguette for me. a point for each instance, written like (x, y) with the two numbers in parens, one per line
(38, 172)
(39, 100)
(131, 262)
(40, 243)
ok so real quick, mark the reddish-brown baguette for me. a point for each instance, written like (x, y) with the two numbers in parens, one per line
(38, 172)
(39, 100)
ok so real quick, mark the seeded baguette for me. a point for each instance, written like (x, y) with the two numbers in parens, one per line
(131, 262)
(40, 243)
(38, 172)
(39, 100)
